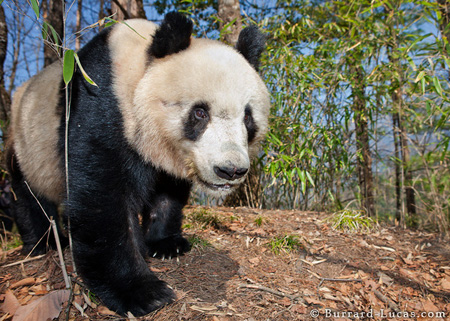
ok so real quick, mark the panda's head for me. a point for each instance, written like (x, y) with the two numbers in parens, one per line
(201, 108)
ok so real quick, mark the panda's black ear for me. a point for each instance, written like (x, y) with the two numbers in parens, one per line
(251, 44)
(173, 35)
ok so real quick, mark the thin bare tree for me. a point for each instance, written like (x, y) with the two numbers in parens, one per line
(127, 9)
(5, 101)
(53, 13)
(230, 16)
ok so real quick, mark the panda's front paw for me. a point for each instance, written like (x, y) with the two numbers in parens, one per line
(139, 298)
(168, 247)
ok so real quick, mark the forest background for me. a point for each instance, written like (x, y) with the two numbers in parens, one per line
(360, 94)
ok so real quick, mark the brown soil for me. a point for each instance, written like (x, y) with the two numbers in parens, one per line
(392, 273)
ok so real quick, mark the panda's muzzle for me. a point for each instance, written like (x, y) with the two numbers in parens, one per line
(230, 173)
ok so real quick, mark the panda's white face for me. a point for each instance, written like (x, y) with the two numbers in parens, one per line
(200, 114)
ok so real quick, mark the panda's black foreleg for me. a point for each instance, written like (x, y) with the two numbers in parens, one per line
(163, 218)
(31, 221)
(108, 246)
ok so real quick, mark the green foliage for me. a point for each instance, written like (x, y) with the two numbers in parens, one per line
(93, 298)
(85, 75)
(10, 241)
(198, 243)
(286, 244)
(259, 220)
(351, 221)
(311, 150)
(68, 66)
(204, 218)
(45, 34)
(35, 6)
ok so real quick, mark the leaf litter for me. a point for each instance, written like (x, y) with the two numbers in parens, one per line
(235, 275)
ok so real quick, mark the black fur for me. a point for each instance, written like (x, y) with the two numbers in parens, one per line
(6, 197)
(251, 44)
(250, 124)
(194, 126)
(33, 224)
(109, 185)
(174, 35)
(163, 215)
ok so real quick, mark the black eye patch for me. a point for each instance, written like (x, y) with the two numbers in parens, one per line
(196, 121)
(250, 124)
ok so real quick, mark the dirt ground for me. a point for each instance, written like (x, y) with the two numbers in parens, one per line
(242, 267)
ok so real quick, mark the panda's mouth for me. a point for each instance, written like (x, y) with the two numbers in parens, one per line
(217, 187)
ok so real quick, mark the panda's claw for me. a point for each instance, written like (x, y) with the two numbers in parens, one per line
(169, 247)
(163, 257)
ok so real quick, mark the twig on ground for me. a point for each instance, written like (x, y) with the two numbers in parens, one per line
(58, 243)
(69, 303)
(25, 260)
(275, 292)
(338, 280)
(386, 300)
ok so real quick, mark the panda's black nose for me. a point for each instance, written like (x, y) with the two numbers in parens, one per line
(230, 173)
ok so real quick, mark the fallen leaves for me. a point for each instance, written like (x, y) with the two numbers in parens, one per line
(445, 283)
(239, 278)
(43, 308)
(23, 282)
(10, 303)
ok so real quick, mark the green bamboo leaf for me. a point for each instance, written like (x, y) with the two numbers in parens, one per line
(35, 6)
(310, 178)
(419, 76)
(112, 21)
(54, 34)
(44, 30)
(437, 86)
(45, 34)
(85, 75)
(68, 66)
(301, 175)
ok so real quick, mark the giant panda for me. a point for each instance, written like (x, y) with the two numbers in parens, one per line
(168, 112)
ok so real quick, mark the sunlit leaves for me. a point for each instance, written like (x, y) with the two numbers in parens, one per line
(85, 75)
(68, 66)
(45, 32)
(35, 6)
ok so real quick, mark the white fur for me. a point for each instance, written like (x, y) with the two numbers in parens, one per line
(210, 72)
(154, 100)
(34, 132)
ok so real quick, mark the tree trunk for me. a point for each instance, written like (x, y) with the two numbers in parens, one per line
(444, 8)
(248, 193)
(409, 191)
(78, 25)
(364, 165)
(53, 13)
(5, 101)
(397, 101)
(229, 11)
(101, 13)
(399, 215)
(127, 9)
